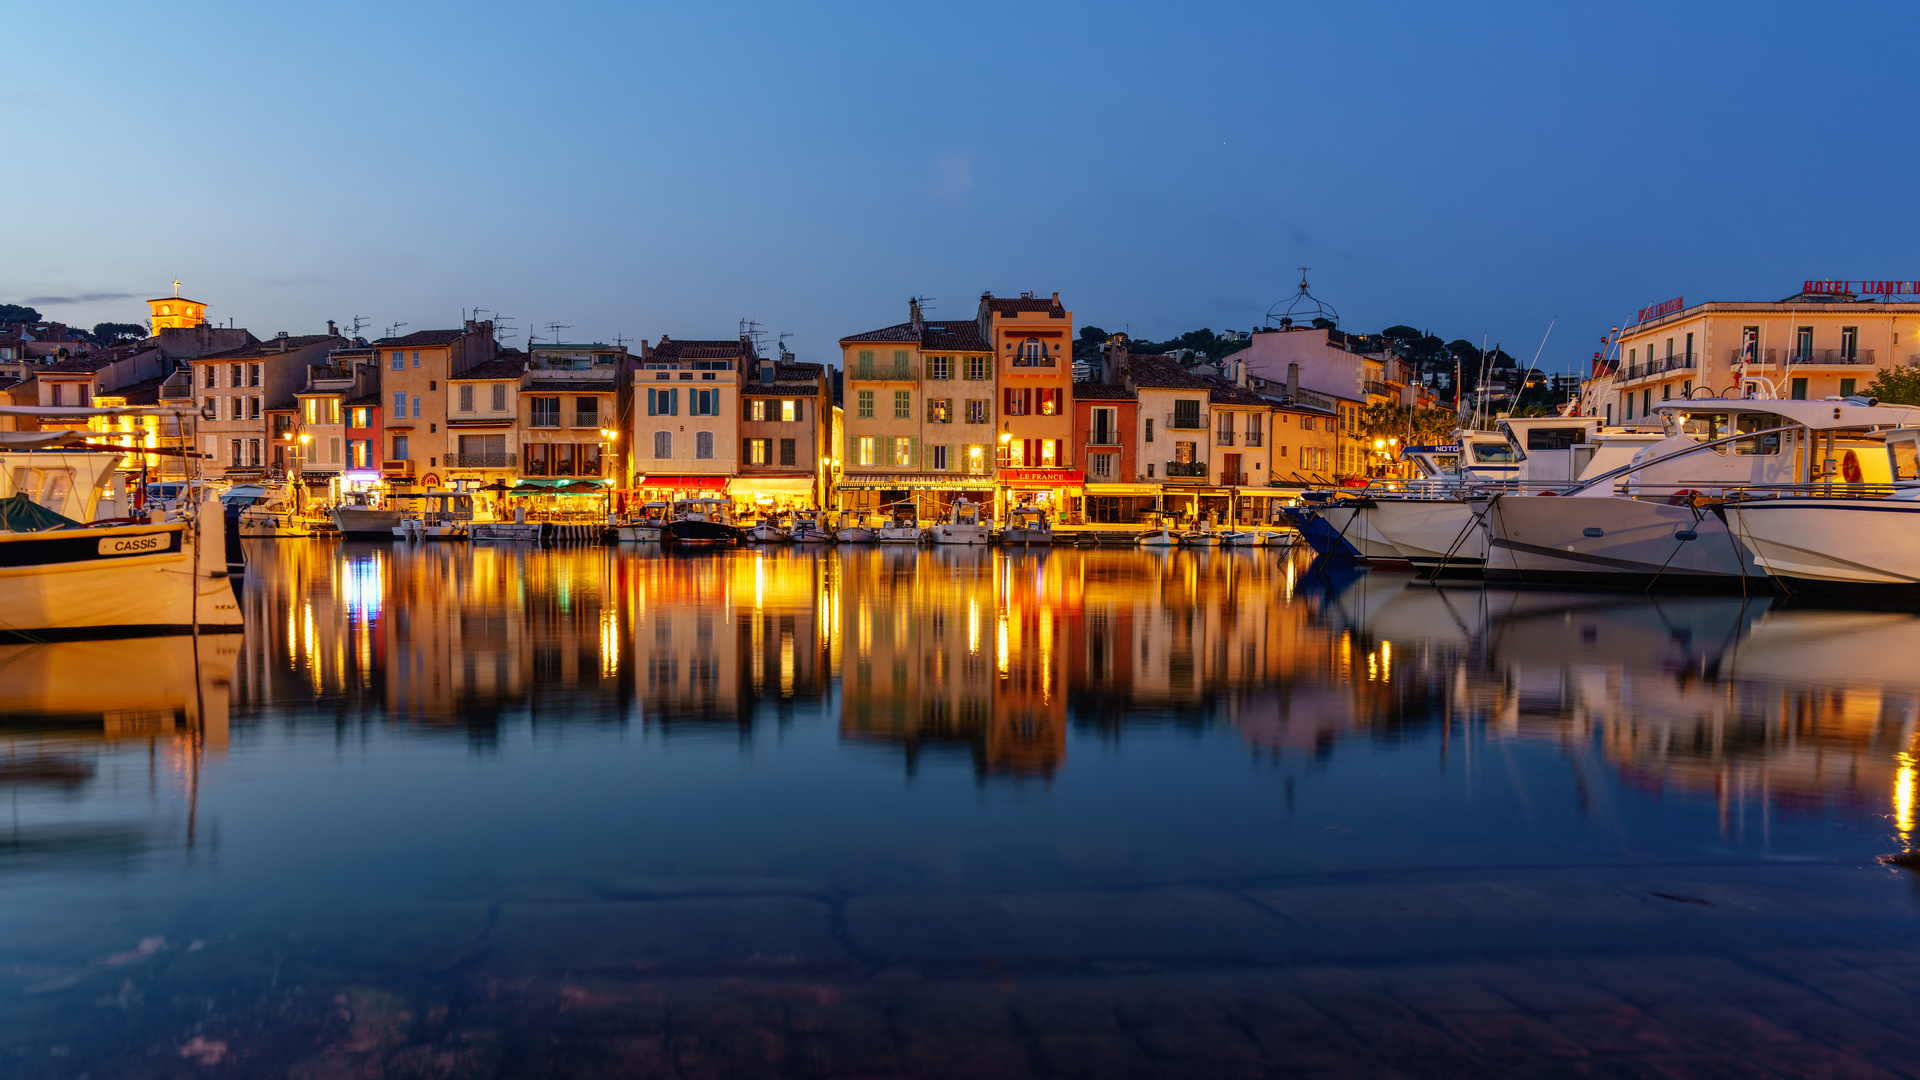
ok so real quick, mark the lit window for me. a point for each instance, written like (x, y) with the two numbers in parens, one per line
(902, 451)
(865, 456)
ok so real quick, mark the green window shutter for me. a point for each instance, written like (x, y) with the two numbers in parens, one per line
(953, 458)
(673, 403)
(913, 448)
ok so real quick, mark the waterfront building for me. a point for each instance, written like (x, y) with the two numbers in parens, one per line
(1032, 342)
(234, 389)
(413, 369)
(686, 416)
(570, 406)
(1240, 459)
(1357, 371)
(1174, 436)
(785, 431)
(919, 417)
(1306, 439)
(483, 442)
(1825, 340)
(332, 445)
(1106, 423)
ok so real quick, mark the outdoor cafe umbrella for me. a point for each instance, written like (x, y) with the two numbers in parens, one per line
(495, 486)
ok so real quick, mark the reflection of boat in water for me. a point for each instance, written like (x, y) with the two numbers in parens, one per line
(1335, 527)
(61, 578)
(361, 516)
(126, 687)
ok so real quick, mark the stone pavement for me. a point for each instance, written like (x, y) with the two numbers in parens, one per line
(1756, 970)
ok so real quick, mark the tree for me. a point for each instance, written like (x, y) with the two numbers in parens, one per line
(1895, 386)
(1425, 427)
(113, 333)
(18, 313)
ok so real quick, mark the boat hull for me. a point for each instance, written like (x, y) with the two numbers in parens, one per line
(360, 521)
(640, 534)
(1832, 543)
(701, 534)
(1610, 540)
(530, 532)
(853, 536)
(948, 533)
(128, 581)
(1430, 533)
(1339, 530)
(891, 535)
(1027, 537)
(277, 526)
(767, 534)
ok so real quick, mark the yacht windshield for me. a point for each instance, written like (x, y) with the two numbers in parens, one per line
(1490, 453)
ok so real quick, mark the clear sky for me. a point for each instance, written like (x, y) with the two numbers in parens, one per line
(640, 169)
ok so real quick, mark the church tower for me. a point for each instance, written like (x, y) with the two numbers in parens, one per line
(170, 312)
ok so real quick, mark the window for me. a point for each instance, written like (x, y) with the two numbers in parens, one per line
(703, 402)
(756, 409)
(864, 409)
(416, 358)
(1183, 452)
(789, 412)
(1849, 346)
(399, 404)
(1100, 466)
(59, 395)
(1689, 350)
(233, 374)
(466, 397)
(1253, 429)
(787, 448)
(979, 411)
(1225, 435)
(399, 448)
(865, 454)
(1750, 344)
(1186, 413)
(212, 377)
(1846, 388)
(586, 411)
(1106, 427)
(1799, 389)
(313, 410)
(399, 360)
(253, 379)
(416, 406)
(499, 397)
(1149, 431)
(977, 368)
(545, 411)
(1016, 402)
(755, 451)
(703, 445)
(903, 451)
(1052, 402)
(1560, 438)
(901, 365)
(1049, 453)
(1802, 342)
(977, 460)
(939, 367)
(1666, 392)
(937, 458)
(661, 402)
(663, 444)
(234, 445)
(1646, 402)
(903, 404)
(939, 410)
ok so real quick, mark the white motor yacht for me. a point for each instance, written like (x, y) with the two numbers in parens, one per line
(1857, 530)
(272, 511)
(1027, 525)
(903, 525)
(436, 515)
(965, 524)
(646, 527)
(1653, 520)
(362, 514)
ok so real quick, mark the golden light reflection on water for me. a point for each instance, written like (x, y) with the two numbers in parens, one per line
(997, 655)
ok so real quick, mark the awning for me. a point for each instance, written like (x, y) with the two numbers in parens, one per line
(682, 483)
(913, 483)
(771, 485)
(1122, 489)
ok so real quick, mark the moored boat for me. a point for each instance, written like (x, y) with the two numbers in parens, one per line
(363, 516)
(646, 527)
(902, 526)
(806, 530)
(1027, 525)
(701, 522)
(853, 529)
(964, 524)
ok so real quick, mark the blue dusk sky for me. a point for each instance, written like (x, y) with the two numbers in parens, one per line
(632, 169)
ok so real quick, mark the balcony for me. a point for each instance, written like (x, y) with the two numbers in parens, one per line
(587, 419)
(544, 419)
(1034, 362)
(908, 372)
(1187, 470)
(536, 467)
(1223, 437)
(396, 468)
(1754, 357)
(1233, 479)
(1187, 421)
(1380, 389)
(481, 461)
(1653, 367)
(1253, 438)
(1103, 438)
(1832, 358)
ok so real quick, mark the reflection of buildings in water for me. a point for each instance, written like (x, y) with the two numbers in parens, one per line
(1795, 711)
(715, 634)
(951, 648)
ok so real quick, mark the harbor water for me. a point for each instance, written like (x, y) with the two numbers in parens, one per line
(463, 810)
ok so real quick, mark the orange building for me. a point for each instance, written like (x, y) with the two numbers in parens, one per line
(1032, 342)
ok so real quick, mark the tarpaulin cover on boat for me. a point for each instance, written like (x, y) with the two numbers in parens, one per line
(21, 514)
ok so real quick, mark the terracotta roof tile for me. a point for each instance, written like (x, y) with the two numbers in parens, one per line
(573, 386)
(780, 389)
(938, 335)
(269, 347)
(505, 367)
(1161, 373)
(1088, 391)
(786, 372)
(698, 349)
(421, 338)
(1023, 305)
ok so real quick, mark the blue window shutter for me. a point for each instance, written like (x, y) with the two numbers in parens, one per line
(650, 409)
(674, 405)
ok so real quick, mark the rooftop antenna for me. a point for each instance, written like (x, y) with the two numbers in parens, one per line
(781, 342)
(502, 324)
(619, 341)
(554, 328)
(925, 302)
(394, 330)
(750, 328)
(359, 321)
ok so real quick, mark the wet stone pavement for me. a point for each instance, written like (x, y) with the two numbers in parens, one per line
(460, 812)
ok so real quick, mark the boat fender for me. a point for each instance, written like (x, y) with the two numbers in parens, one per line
(1683, 497)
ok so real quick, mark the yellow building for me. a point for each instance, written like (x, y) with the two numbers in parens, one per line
(1820, 342)
(175, 312)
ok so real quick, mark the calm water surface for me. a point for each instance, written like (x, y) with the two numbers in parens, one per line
(467, 810)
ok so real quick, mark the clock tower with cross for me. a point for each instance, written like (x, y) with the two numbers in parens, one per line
(170, 312)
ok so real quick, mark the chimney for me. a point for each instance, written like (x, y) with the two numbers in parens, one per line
(1240, 373)
(331, 332)
(913, 318)
(1293, 382)
(766, 370)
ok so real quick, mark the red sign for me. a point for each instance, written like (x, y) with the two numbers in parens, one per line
(1058, 477)
(1871, 288)
(1659, 310)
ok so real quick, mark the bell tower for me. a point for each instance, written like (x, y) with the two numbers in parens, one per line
(170, 312)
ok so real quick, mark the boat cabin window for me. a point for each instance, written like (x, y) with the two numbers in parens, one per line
(1706, 427)
(1494, 453)
(1906, 459)
(1554, 438)
(1760, 445)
